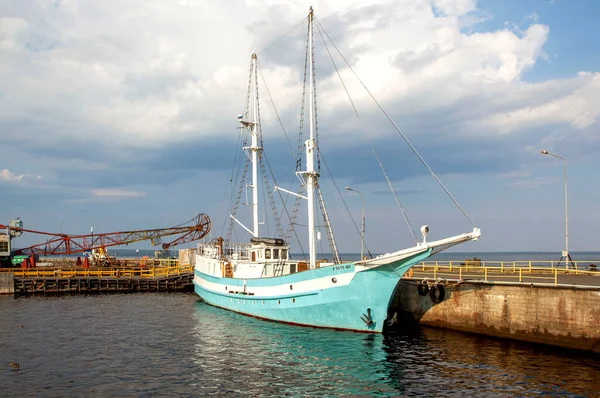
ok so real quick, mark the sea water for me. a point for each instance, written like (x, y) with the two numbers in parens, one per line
(157, 344)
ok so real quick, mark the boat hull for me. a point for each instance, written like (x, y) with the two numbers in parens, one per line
(359, 305)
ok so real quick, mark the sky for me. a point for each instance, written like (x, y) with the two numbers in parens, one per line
(122, 114)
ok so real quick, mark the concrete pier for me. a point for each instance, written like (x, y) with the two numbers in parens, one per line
(7, 283)
(557, 315)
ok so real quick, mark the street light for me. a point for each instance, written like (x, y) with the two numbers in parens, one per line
(362, 231)
(137, 254)
(565, 253)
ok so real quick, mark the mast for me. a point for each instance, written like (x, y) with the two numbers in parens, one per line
(311, 146)
(254, 149)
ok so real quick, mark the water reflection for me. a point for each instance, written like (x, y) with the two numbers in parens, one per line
(273, 358)
(259, 357)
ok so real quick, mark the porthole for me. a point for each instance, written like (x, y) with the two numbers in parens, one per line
(293, 300)
(334, 280)
(263, 302)
(291, 287)
(278, 301)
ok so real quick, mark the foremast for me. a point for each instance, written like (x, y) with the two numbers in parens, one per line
(254, 148)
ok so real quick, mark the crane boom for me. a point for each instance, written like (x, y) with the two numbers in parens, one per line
(63, 244)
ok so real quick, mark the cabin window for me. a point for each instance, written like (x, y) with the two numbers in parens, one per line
(268, 254)
(292, 268)
(284, 254)
(275, 253)
(253, 255)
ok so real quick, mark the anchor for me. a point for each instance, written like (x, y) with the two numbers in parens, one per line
(366, 318)
(393, 320)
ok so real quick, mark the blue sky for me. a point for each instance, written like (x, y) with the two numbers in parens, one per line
(122, 115)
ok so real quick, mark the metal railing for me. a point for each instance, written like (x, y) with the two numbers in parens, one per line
(65, 262)
(547, 272)
(110, 272)
(582, 265)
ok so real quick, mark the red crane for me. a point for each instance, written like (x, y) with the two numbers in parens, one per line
(63, 244)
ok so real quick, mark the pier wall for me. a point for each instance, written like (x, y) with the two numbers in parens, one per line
(7, 283)
(560, 316)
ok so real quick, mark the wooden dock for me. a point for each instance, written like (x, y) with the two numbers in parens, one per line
(27, 286)
(36, 281)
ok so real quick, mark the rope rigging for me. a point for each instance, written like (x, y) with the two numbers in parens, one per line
(266, 179)
(396, 127)
(344, 202)
(404, 215)
(240, 176)
(310, 95)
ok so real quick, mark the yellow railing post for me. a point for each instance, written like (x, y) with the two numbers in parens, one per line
(434, 272)
(485, 272)
(530, 267)
(556, 277)
(520, 275)
(460, 273)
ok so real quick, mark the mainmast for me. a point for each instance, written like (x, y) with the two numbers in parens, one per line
(311, 147)
(255, 149)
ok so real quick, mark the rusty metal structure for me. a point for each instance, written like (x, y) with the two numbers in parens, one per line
(63, 244)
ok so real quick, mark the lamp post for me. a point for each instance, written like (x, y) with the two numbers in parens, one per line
(137, 254)
(362, 231)
(565, 253)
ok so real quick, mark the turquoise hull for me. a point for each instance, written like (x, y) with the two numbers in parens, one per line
(361, 305)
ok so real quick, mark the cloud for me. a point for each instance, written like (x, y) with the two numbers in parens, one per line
(572, 108)
(119, 100)
(117, 193)
(7, 175)
(104, 99)
(176, 82)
